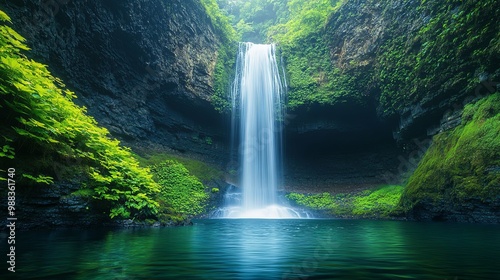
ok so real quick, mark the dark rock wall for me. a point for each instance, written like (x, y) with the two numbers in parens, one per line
(352, 145)
(370, 37)
(407, 92)
(142, 68)
(339, 151)
(54, 207)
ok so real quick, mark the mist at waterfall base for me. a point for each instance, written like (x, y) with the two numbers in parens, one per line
(257, 99)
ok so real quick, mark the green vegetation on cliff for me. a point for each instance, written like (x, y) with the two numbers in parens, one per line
(456, 44)
(414, 52)
(377, 203)
(41, 125)
(220, 21)
(252, 19)
(226, 55)
(312, 77)
(203, 171)
(181, 192)
(49, 140)
(463, 164)
(298, 28)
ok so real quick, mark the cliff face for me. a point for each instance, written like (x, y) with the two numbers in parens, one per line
(410, 67)
(363, 138)
(416, 64)
(144, 69)
(425, 60)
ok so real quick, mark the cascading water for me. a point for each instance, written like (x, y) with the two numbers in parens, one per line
(257, 96)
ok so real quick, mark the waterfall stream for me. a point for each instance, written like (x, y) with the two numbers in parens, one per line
(257, 95)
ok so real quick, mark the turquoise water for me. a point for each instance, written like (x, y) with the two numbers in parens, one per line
(263, 249)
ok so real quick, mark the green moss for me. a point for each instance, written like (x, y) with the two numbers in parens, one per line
(203, 171)
(180, 192)
(459, 166)
(439, 59)
(226, 55)
(223, 76)
(380, 202)
(312, 77)
(322, 201)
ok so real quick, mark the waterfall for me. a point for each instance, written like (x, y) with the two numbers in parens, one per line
(257, 99)
(259, 94)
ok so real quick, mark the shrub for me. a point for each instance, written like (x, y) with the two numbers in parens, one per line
(180, 191)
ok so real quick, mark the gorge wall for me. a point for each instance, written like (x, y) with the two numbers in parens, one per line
(410, 67)
(144, 69)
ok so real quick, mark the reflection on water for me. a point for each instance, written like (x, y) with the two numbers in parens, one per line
(263, 249)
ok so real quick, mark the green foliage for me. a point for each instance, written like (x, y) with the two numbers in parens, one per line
(317, 202)
(252, 19)
(313, 79)
(40, 179)
(306, 18)
(223, 71)
(441, 57)
(380, 202)
(180, 191)
(219, 20)
(223, 76)
(41, 125)
(7, 151)
(83, 193)
(460, 164)
(203, 171)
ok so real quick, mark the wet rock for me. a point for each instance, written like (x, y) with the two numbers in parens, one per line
(469, 211)
(55, 206)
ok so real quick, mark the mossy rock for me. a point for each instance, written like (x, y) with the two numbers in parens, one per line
(459, 166)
